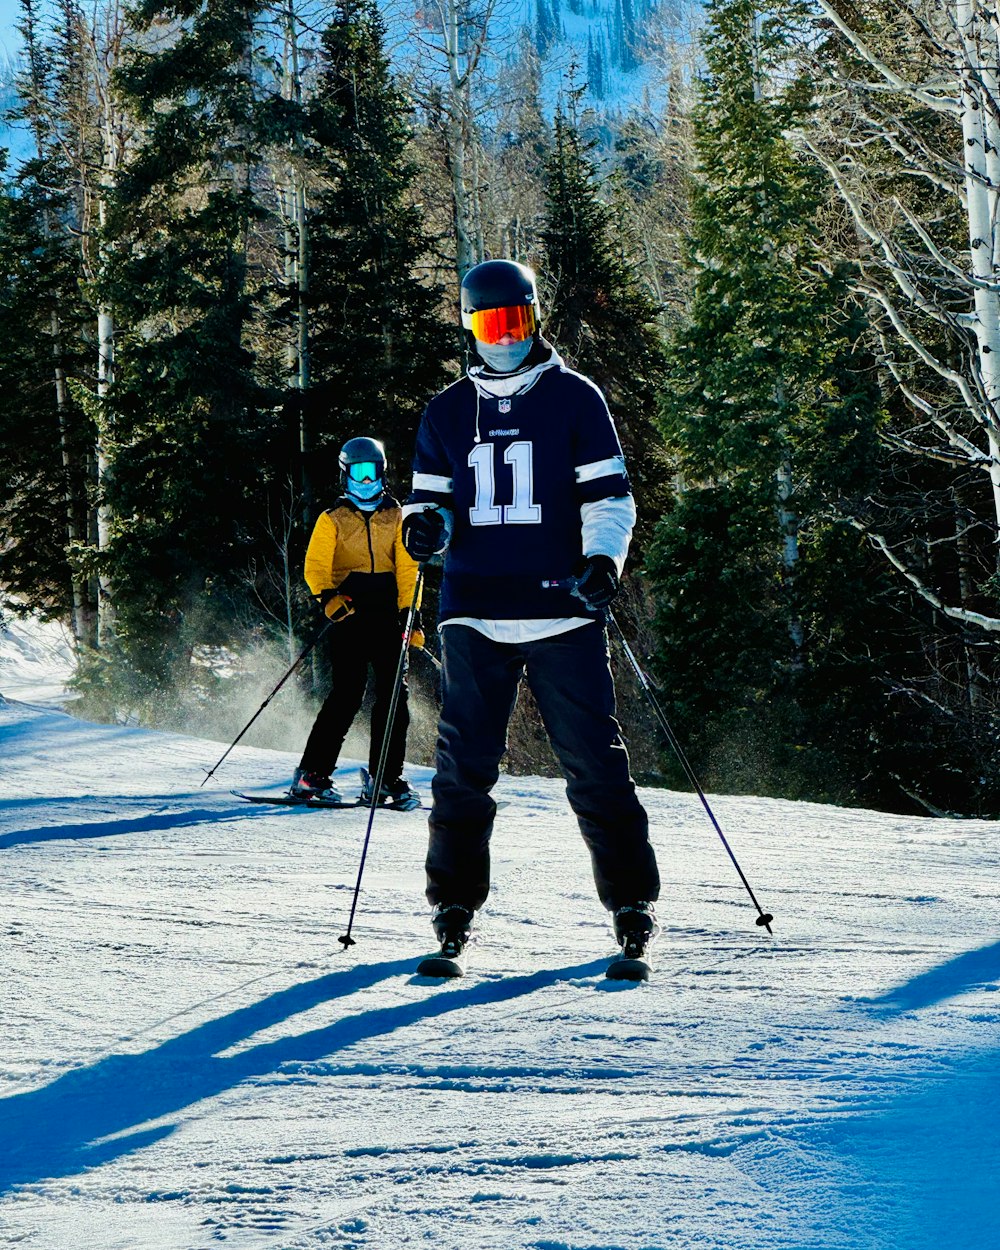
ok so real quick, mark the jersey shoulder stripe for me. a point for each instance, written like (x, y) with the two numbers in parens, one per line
(611, 466)
(433, 482)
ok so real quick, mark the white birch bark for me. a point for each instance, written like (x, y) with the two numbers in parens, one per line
(293, 207)
(977, 71)
(103, 41)
(456, 50)
(917, 283)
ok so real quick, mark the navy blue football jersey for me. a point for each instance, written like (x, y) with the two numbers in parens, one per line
(514, 473)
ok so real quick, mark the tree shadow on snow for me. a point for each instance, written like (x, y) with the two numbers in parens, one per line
(917, 1166)
(973, 970)
(92, 1115)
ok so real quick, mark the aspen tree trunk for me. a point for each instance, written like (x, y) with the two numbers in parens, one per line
(966, 590)
(462, 50)
(788, 520)
(455, 50)
(476, 189)
(458, 142)
(84, 622)
(957, 77)
(98, 120)
(979, 85)
(105, 380)
(295, 214)
(294, 208)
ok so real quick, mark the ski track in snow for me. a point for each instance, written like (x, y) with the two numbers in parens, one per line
(190, 1059)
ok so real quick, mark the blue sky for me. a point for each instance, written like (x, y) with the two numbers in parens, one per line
(9, 10)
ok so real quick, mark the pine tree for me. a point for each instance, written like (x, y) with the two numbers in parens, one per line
(44, 433)
(770, 418)
(602, 317)
(48, 437)
(546, 25)
(595, 68)
(378, 339)
(185, 419)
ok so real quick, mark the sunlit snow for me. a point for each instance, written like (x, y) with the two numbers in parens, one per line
(190, 1060)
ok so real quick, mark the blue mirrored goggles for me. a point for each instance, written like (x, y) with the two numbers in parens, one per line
(364, 471)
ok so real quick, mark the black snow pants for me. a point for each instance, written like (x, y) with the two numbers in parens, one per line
(367, 638)
(570, 677)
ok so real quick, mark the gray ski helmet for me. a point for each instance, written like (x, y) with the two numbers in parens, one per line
(362, 461)
(496, 284)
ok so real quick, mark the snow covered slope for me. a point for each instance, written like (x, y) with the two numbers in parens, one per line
(189, 1060)
(36, 661)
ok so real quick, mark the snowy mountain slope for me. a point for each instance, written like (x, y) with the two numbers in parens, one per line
(191, 1060)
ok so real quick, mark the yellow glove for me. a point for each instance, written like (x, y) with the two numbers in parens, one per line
(417, 638)
(337, 607)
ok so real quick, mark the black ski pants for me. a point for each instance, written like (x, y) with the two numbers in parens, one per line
(366, 639)
(570, 677)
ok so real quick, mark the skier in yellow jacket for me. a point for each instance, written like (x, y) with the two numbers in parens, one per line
(364, 578)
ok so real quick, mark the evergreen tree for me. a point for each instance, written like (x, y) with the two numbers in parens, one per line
(602, 317)
(44, 433)
(185, 422)
(770, 609)
(595, 68)
(44, 307)
(546, 25)
(379, 341)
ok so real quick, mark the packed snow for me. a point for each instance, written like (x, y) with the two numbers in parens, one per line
(190, 1058)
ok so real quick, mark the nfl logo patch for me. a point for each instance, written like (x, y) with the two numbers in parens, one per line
(504, 405)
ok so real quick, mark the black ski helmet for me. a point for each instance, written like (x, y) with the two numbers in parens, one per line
(498, 284)
(358, 451)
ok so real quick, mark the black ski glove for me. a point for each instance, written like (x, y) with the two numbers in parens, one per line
(336, 606)
(596, 581)
(423, 534)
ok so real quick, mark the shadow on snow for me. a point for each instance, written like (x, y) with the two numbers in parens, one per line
(148, 822)
(918, 1168)
(65, 1126)
(973, 970)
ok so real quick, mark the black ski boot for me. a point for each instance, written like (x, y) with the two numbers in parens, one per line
(635, 928)
(453, 926)
(306, 785)
(398, 795)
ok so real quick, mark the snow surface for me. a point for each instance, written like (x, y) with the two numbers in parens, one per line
(36, 660)
(190, 1060)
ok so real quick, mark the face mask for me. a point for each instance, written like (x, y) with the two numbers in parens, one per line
(504, 358)
(365, 492)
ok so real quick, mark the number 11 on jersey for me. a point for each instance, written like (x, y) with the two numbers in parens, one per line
(522, 511)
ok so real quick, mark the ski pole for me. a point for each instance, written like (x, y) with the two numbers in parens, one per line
(431, 656)
(316, 637)
(763, 918)
(345, 939)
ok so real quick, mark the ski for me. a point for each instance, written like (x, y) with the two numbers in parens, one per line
(622, 969)
(441, 965)
(286, 800)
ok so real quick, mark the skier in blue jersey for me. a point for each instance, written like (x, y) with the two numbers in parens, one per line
(519, 480)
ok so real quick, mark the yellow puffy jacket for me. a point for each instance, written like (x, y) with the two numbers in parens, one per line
(361, 555)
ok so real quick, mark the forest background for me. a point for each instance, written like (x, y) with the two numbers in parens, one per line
(235, 242)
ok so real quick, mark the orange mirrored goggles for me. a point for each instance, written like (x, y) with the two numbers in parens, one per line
(491, 324)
